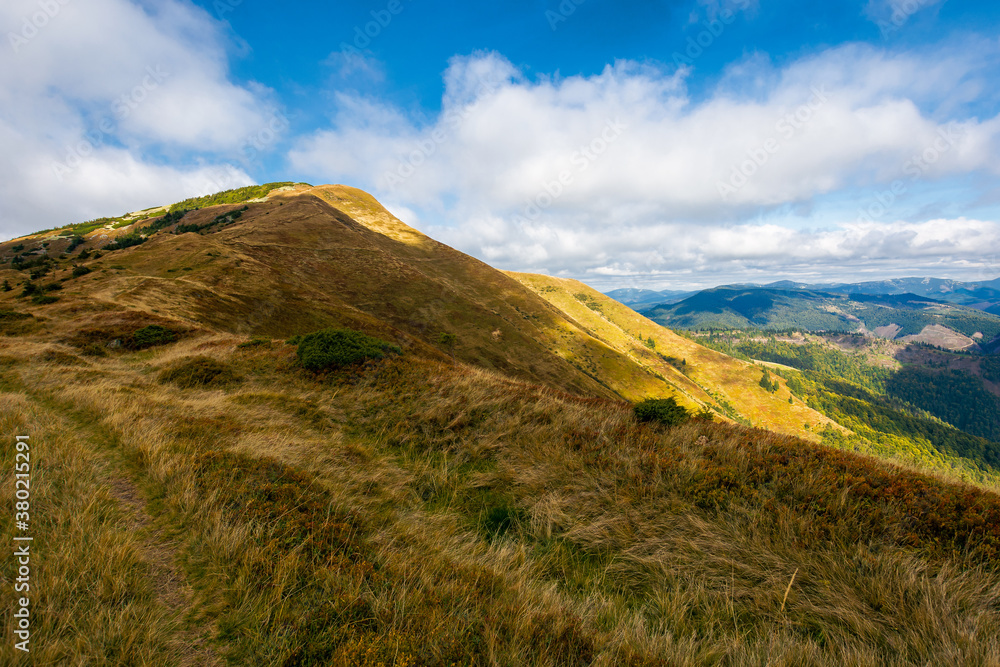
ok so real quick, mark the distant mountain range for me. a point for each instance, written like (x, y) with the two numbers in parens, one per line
(908, 316)
(633, 296)
(980, 295)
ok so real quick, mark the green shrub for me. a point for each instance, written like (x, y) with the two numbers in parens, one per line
(43, 299)
(126, 241)
(767, 383)
(229, 196)
(198, 371)
(333, 348)
(6, 286)
(149, 336)
(80, 271)
(661, 410)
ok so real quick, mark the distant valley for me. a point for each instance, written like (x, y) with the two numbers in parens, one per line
(946, 314)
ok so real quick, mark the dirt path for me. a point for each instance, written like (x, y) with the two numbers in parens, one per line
(170, 585)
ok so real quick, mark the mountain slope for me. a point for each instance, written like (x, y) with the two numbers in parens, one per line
(730, 386)
(310, 257)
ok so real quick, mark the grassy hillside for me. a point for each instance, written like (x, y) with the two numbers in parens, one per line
(332, 255)
(730, 386)
(413, 512)
(483, 494)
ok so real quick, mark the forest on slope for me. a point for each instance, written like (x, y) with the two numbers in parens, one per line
(942, 418)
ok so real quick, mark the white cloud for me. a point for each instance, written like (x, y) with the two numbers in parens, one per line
(845, 120)
(98, 97)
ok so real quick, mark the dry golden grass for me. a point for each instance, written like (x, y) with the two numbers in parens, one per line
(95, 597)
(708, 375)
(412, 512)
(491, 504)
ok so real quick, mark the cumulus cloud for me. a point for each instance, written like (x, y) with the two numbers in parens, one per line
(624, 169)
(686, 255)
(103, 102)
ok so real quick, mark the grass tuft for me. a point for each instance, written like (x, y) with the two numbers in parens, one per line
(199, 372)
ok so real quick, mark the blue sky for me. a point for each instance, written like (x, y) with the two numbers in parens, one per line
(663, 144)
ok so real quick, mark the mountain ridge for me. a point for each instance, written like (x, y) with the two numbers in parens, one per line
(308, 257)
(904, 316)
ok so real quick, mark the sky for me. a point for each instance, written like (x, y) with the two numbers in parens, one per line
(663, 144)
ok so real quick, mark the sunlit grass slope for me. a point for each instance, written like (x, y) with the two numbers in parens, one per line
(730, 386)
(416, 512)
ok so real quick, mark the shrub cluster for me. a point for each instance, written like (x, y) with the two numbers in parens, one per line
(335, 348)
(149, 336)
(235, 196)
(126, 241)
(767, 383)
(661, 410)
